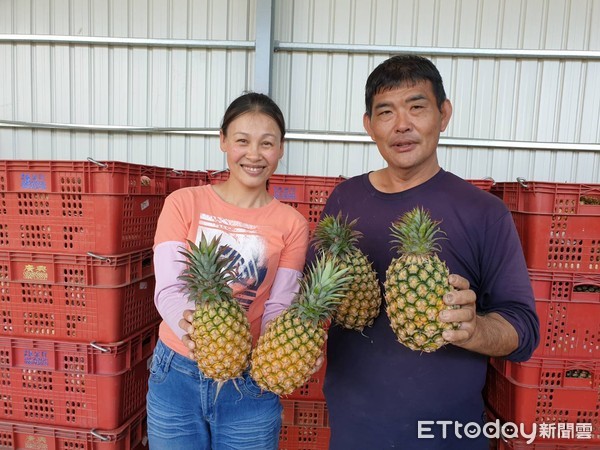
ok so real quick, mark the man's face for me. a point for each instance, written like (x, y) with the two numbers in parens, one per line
(405, 124)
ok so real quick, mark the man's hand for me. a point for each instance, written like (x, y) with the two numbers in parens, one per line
(489, 334)
(186, 325)
(465, 315)
(318, 364)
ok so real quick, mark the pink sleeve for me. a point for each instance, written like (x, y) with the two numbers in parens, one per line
(285, 286)
(169, 297)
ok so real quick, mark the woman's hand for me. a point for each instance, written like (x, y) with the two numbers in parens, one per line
(186, 325)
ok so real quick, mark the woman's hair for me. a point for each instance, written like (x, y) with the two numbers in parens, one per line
(403, 70)
(253, 102)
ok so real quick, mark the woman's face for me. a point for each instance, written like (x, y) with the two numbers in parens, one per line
(254, 146)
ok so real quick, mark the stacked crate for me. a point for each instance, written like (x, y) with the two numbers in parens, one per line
(559, 387)
(305, 193)
(308, 194)
(77, 323)
(177, 179)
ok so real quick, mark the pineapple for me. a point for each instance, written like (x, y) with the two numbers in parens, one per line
(360, 306)
(287, 352)
(221, 328)
(415, 283)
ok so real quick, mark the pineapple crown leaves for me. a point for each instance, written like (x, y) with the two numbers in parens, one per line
(415, 233)
(321, 290)
(208, 272)
(336, 235)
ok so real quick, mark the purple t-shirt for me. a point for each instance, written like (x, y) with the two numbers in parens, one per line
(376, 389)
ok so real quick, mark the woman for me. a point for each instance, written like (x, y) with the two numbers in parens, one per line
(268, 240)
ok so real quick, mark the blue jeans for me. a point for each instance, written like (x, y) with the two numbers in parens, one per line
(184, 412)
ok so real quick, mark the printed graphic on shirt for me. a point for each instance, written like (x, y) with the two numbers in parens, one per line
(247, 253)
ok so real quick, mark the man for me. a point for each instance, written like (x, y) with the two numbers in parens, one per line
(379, 393)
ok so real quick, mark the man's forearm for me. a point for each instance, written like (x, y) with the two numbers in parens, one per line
(494, 336)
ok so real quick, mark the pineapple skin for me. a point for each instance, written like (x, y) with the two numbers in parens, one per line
(360, 306)
(286, 354)
(223, 341)
(414, 291)
(222, 337)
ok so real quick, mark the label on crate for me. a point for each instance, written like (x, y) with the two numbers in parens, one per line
(32, 181)
(35, 357)
(284, 193)
(36, 442)
(35, 272)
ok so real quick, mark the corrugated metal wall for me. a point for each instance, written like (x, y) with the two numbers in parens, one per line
(522, 75)
(154, 84)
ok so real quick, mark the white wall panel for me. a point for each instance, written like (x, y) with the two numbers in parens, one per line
(590, 100)
(177, 151)
(330, 158)
(495, 98)
(501, 98)
(136, 86)
(349, 159)
(118, 85)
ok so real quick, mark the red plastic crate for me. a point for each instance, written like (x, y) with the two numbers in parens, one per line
(217, 176)
(568, 306)
(304, 438)
(305, 413)
(294, 188)
(81, 177)
(79, 358)
(568, 329)
(177, 179)
(552, 198)
(79, 270)
(305, 193)
(71, 398)
(78, 223)
(560, 243)
(308, 194)
(76, 313)
(130, 436)
(485, 184)
(545, 390)
(565, 286)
